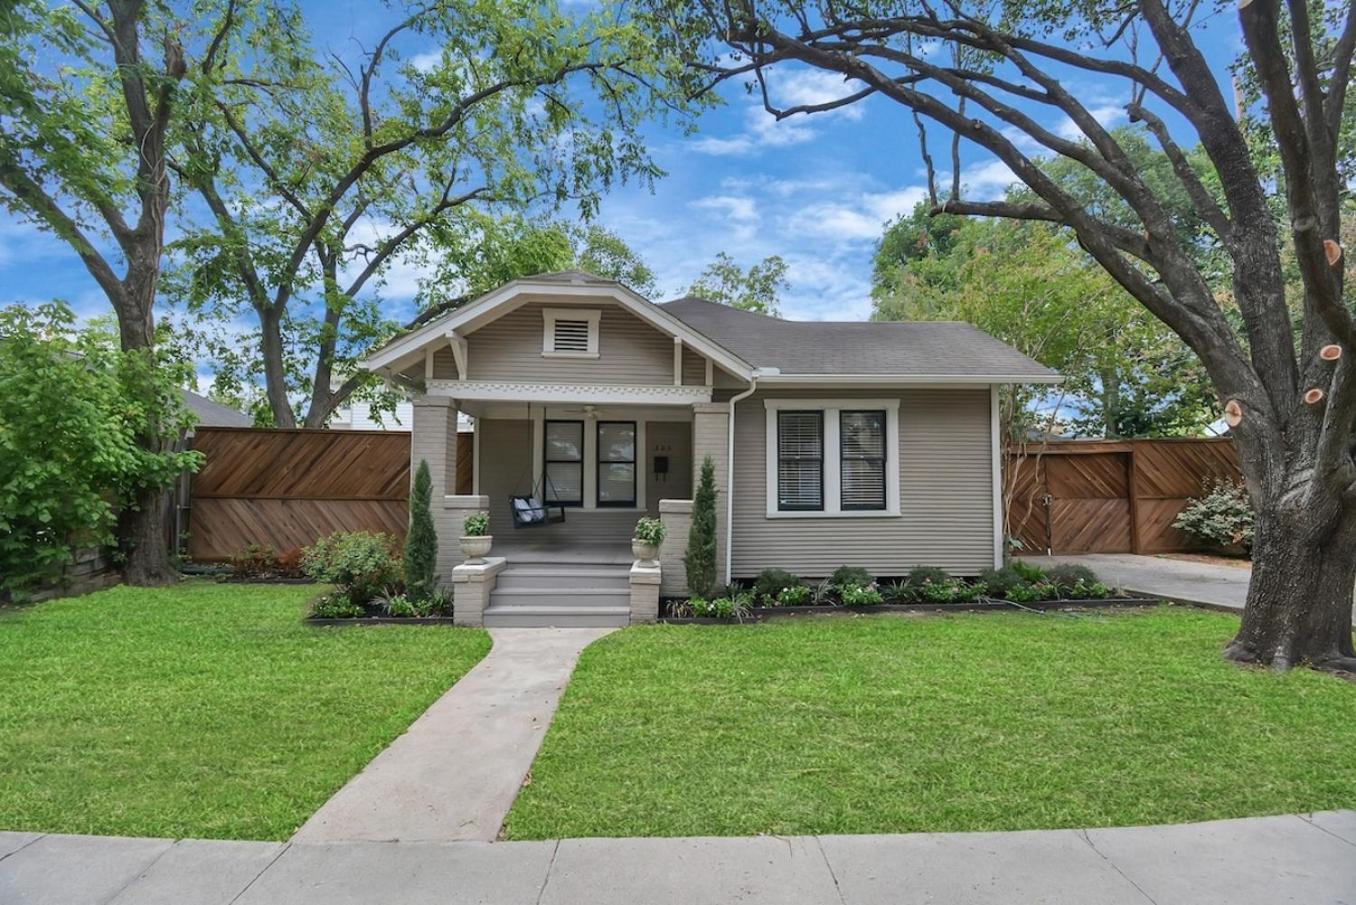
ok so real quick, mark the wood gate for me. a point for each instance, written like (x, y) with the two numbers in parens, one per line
(1104, 496)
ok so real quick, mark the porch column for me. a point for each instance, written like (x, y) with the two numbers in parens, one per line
(711, 437)
(433, 438)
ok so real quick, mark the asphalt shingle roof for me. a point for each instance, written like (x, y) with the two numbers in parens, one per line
(902, 348)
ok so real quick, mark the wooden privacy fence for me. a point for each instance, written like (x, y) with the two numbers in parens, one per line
(1110, 496)
(287, 488)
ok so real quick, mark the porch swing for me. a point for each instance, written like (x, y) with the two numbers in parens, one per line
(532, 511)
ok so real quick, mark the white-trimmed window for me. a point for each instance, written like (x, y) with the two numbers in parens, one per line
(832, 457)
(570, 332)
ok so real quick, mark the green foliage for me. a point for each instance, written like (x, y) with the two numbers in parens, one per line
(771, 582)
(1000, 581)
(254, 561)
(477, 524)
(1028, 593)
(360, 563)
(421, 543)
(1030, 286)
(899, 591)
(700, 558)
(1067, 576)
(921, 575)
(74, 409)
(336, 605)
(793, 595)
(1221, 518)
(728, 607)
(399, 605)
(756, 289)
(860, 595)
(850, 575)
(650, 531)
(1027, 569)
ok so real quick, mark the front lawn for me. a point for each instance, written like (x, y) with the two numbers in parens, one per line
(204, 710)
(880, 724)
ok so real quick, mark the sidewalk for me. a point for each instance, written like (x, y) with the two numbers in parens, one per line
(1262, 860)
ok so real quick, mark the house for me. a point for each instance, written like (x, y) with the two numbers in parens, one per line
(866, 444)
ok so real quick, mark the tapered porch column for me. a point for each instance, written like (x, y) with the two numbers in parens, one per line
(433, 438)
(711, 437)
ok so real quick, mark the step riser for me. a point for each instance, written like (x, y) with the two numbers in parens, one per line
(538, 620)
(590, 597)
(508, 581)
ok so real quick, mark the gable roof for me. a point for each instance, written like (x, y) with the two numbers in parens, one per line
(213, 414)
(917, 350)
(567, 287)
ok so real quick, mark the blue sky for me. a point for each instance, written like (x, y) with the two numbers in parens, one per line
(815, 190)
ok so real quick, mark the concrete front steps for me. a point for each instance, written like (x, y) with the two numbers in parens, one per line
(561, 595)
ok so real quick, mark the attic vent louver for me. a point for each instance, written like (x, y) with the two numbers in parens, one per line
(571, 336)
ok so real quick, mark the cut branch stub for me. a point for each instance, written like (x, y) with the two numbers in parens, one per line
(1333, 250)
(1314, 396)
(1233, 413)
(1330, 352)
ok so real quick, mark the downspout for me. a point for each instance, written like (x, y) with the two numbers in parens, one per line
(730, 473)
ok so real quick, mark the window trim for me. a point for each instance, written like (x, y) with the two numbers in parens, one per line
(549, 317)
(823, 456)
(833, 456)
(599, 462)
(884, 460)
(547, 462)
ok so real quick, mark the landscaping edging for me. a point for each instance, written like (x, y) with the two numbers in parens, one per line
(762, 613)
(380, 620)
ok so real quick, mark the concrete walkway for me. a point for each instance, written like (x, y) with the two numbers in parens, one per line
(1262, 860)
(454, 774)
(1186, 581)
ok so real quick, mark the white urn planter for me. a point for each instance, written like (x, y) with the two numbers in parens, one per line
(643, 551)
(475, 548)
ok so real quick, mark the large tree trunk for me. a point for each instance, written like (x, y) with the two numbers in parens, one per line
(1299, 604)
(275, 374)
(142, 530)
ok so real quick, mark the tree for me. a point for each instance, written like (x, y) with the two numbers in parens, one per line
(421, 542)
(1292, 406)
(1126, 373)
(756, 289)
(700, 557)
(85, 120)
(321, 174)
(69, 429)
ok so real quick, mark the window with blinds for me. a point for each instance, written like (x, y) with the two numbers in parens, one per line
(563, 482)
(616, 463)
(570, 336)
(800, 461)
(862, 458)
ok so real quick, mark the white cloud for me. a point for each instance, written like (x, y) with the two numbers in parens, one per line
(761, 130)
(862, 219)
(736, 207)
(802, 87)
(786, 88)
(1107, 114)
(427, 61)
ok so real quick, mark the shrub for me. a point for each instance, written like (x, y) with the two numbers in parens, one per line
(1066, 576)
(969, 591)
(336, 605)
(73, 408)
(793, 595)
(650, 531)
(398, 605)
(289, 562)
(944, 591)
(771, 582)
(700, 558)
(927, 575)
(1026, 593)
(859, 595)
(421, 543)
(1221, 518)
(1029, 571)
(850, 575)
(998, 582)
(254, 561)
(359, 562)
(438, 603)
(822, 594)
(736, 607)
(477, 524)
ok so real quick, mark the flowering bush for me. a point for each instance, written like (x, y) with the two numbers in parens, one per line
(1221, 518)
(860, 595)
(793, 595)
(359, 562)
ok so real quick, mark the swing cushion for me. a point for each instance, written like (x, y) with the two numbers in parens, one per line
(528, 510)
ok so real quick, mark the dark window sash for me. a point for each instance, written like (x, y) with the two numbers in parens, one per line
(547, 462)
(598, 466)
(782, 461)
(883, 460)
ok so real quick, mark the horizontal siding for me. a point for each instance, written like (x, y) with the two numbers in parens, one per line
(946, 495)
(444, 363)
(630, 351)
(694, 368)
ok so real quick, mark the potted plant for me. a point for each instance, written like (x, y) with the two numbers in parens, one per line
(645, 540)
(475, 541)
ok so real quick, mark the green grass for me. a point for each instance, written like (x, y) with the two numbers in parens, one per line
(967, 722)
(204, 710)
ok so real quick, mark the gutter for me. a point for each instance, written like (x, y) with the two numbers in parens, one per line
(729, 468)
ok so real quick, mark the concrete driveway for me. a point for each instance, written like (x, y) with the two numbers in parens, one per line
(1220, 587)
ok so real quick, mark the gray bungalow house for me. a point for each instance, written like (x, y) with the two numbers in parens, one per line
(866, 444)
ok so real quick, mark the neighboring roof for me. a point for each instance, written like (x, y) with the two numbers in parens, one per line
(214, 414)
(574, 276)
(917, 349)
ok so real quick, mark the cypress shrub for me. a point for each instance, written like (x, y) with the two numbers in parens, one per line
(700, 558)
(421, 544)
